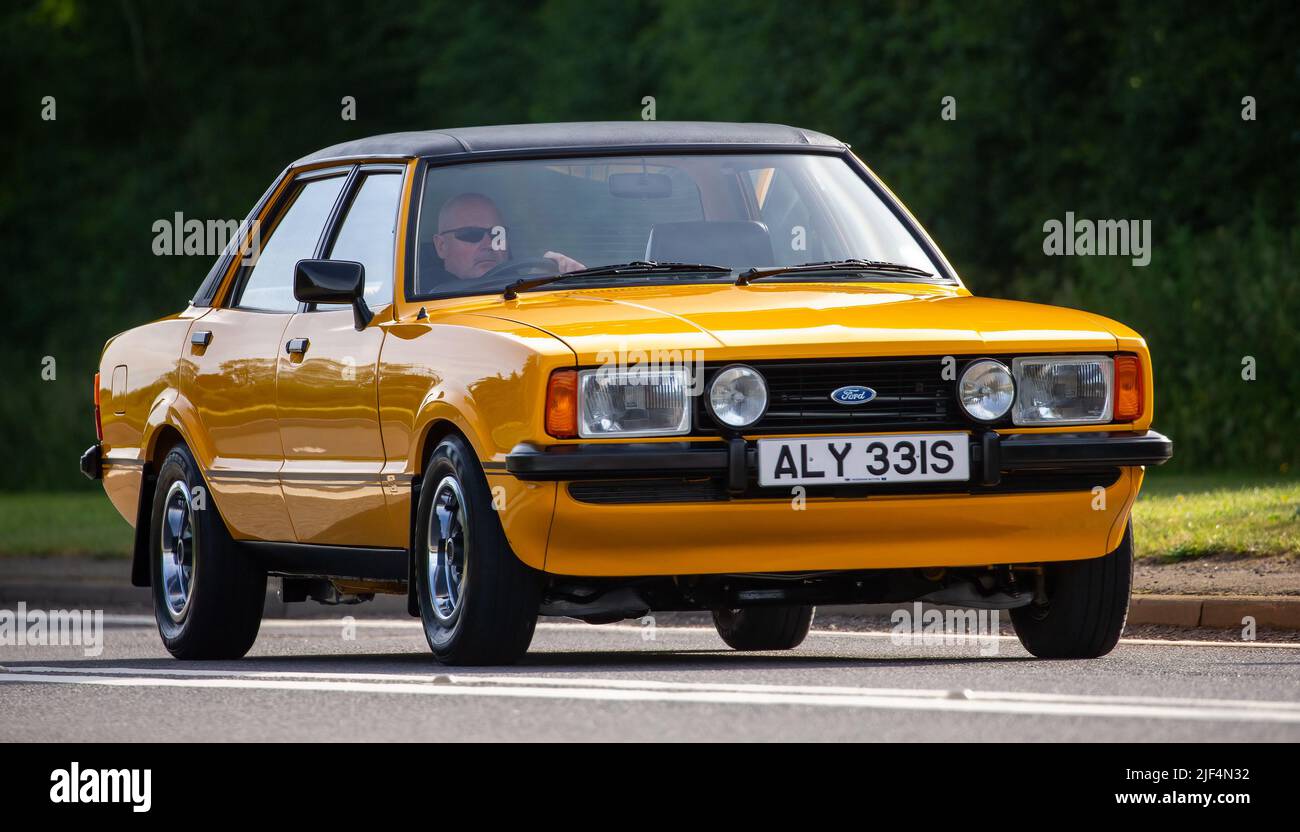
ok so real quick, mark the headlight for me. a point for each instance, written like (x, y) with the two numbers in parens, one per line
(1059, 390)
(985, 390)
(738, 396)
(633, 402)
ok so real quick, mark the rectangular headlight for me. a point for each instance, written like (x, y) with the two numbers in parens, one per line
(633, 402)
(1063, 390)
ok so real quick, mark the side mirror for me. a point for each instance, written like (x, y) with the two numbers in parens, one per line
(333, 281)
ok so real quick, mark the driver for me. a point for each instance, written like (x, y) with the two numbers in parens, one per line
(465, 236)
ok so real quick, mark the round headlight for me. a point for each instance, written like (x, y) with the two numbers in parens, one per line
(986, 390)
(738, 396)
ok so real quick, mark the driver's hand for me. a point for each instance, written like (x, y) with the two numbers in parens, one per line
(564, 262)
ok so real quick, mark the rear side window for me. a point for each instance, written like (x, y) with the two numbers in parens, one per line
(368, 234)
(269, 286)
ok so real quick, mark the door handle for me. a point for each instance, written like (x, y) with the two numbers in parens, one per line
(201, 337)
(297, 346)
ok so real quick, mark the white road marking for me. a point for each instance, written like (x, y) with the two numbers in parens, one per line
(1285, 645)
(625, 690)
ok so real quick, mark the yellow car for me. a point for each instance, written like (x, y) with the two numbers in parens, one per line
(600, 370)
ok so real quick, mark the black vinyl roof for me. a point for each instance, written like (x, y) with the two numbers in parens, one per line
(577, 135)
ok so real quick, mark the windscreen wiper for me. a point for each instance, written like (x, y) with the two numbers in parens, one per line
(854, 265)
(635, 267)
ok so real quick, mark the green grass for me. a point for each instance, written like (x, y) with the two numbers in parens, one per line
(1178, 517)
(62, 524)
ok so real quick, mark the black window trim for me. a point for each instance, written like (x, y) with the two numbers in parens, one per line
(338, 214)
(212, 281)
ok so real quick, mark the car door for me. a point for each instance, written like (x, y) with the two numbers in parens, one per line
(327, 393)
(229, 374)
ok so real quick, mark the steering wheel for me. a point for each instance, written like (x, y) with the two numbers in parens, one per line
(533, 266)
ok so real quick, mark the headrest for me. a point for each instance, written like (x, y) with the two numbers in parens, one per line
(742, 243)
(430, 268)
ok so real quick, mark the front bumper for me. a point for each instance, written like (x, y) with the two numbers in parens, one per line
(991, 455)
(693, 508)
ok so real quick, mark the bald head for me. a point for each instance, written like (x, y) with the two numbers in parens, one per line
(460, 220)
(468, 209)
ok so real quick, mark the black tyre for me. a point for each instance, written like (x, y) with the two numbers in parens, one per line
(207, 594)
(1087, 605)
(478, 601)
(764, 628)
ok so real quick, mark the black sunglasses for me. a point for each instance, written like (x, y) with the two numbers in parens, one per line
(468, 233)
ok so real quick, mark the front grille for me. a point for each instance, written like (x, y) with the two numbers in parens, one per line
(911, 393)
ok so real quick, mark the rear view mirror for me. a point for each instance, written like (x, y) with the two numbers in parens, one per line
(640, 185)
(333, 281)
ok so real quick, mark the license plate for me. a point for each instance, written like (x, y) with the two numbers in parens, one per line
(833, 460)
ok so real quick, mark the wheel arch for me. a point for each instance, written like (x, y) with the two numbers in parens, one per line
(164, 435)
(435, 430)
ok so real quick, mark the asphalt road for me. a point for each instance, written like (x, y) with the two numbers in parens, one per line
(308, 680)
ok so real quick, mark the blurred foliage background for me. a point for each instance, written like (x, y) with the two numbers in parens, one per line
(1124, 110)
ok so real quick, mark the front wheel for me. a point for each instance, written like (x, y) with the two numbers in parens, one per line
(207, 594)
(1085, 608)
(478, 601)
(764, 628)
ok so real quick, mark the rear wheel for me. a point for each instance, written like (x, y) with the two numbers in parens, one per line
(1085, 609)
(764, 628)
(478, 601)
(207, 594)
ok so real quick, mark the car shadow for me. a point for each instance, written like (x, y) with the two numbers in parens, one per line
(550, 662)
